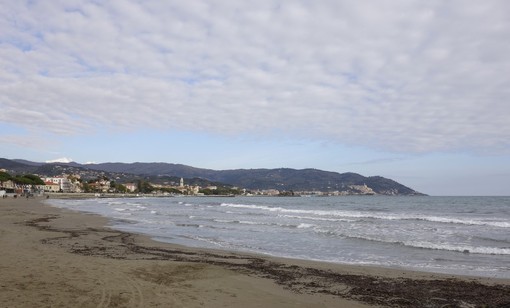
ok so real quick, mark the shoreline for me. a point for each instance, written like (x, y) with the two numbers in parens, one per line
(102, 267)
(454, 269)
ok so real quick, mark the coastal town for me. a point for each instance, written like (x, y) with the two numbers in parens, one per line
(34, 184)
(39, 184)
(22, 177)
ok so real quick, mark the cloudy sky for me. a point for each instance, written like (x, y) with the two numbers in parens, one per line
(417, 91)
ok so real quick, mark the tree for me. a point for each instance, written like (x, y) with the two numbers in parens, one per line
(4, 177)
(35, 179)
(206, 191)
(86, 187)
(121, 188)
(117, 187)
(144, 187)
(171, 190)
(28, 179)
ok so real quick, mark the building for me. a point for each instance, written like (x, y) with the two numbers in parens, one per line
(131, 187)
(193, 190)
(9, 186)
(63, 182)
(50, 186)
(270, 192)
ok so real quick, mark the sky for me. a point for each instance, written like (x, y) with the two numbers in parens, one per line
(416, 91)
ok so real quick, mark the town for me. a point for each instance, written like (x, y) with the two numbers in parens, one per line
(99, 184)
(163, 179)
(35, 184)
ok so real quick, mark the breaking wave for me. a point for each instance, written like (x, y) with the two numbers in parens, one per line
(335, 214)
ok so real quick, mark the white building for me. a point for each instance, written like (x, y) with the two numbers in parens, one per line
(131, 186)
(50, 186)
(63, 182)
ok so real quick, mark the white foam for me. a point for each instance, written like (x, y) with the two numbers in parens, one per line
(226, 221)
(500, 224)
(463, 248)
(247, 222)
(305, 226)
(365, 215)
(426, 245)
(319, 218)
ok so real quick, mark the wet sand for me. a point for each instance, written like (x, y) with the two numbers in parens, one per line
(58, 258)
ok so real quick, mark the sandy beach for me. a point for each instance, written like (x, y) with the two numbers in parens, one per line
(58, 258)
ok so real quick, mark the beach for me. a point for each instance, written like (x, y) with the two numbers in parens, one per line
(59, 258)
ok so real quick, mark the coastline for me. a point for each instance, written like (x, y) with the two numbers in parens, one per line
(57, 257)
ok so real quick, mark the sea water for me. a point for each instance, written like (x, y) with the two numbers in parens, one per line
(458, 235)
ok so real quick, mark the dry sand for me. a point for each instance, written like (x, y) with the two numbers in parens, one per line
(51, 257)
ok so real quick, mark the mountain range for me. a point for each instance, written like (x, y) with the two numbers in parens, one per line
(283, 179)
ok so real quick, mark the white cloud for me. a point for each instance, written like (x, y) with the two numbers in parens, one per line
(397, 75)
(26, 141)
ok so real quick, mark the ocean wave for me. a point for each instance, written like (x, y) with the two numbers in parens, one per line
(327, 231)
(423, 244)
(248, 222)
(305, 226)
(125, 203)
(335, 214)
(189, 225)
(449, 220)
(495, 240)
(463, 248)
(260, 223)
(210, 240)
(116, 202)
(130, 209)
(319, 218)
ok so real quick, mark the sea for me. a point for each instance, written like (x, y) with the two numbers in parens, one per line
(455, 235)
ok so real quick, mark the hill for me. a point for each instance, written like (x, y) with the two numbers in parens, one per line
(283, 179)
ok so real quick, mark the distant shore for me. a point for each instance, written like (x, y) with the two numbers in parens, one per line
(57, 257)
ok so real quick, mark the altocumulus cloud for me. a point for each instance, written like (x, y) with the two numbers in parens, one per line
(412, 76)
